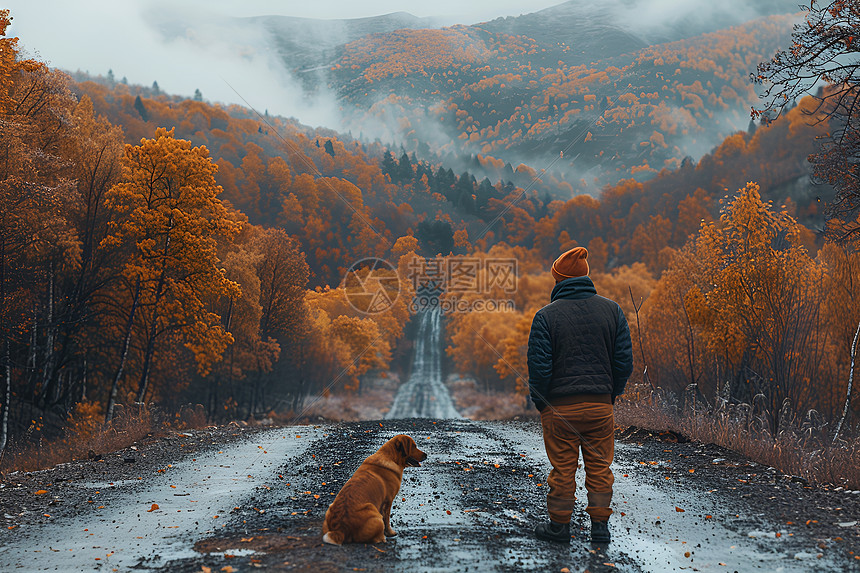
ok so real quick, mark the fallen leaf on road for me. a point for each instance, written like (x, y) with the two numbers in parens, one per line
(495, 465)
(153, 508)
(40, 492)
(678, 509)
(708, 516)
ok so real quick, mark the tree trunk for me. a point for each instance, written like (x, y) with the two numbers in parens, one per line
(122, 355)
(850, 383)
(50, 383)
(7, 376)
(153, 330)
(4, 357)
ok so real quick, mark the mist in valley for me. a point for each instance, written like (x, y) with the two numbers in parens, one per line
(277, 62)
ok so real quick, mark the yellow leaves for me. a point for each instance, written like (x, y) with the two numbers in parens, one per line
(154, 507)
(172, 221)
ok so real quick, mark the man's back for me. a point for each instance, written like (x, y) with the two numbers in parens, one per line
(579, 344)
(579, 357)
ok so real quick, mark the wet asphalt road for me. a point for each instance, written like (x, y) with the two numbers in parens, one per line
(259, 503)
(424, 395)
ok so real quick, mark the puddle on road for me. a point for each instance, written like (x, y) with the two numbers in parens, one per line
(103, 485)
(192, 498)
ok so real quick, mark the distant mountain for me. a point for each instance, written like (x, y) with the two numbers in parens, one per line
(633, 24)
(304, 44)
(592, 91)
(590, 120)
(595, 91)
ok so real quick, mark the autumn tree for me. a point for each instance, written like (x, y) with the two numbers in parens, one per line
(758, 303)
(171, 221)
(824, 47)
(94, 150)
(842, 315)
(37, 240)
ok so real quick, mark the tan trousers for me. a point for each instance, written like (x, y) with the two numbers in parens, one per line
(566, 429)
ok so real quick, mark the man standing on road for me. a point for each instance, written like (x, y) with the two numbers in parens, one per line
(579, 359)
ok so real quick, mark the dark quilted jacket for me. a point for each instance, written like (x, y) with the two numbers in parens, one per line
(578, 344)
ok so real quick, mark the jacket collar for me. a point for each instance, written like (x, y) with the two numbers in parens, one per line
(573, 288)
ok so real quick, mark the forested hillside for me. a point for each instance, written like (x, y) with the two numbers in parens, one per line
(597, 119)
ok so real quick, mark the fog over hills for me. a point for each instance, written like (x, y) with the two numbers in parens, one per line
(390, 81)
(645, 22)
(612, 86)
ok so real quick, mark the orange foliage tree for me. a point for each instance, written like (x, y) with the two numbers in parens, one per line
(171, 221)
(747, 295)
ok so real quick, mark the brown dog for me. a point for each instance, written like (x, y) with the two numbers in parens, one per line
(361, 511)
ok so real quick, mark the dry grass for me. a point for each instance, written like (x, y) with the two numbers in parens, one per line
(86, 436)
(474, 404)
(799, 449)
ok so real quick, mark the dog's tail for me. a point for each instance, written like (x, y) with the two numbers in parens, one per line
(334, 537)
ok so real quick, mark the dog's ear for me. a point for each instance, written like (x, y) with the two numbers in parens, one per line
(399, 446)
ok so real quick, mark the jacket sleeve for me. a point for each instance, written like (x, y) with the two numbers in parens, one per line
(539, 361)
(622, 361)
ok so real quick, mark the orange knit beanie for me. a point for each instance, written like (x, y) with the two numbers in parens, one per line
(573, 263)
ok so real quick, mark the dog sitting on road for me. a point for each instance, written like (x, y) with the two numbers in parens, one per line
(361, 511)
